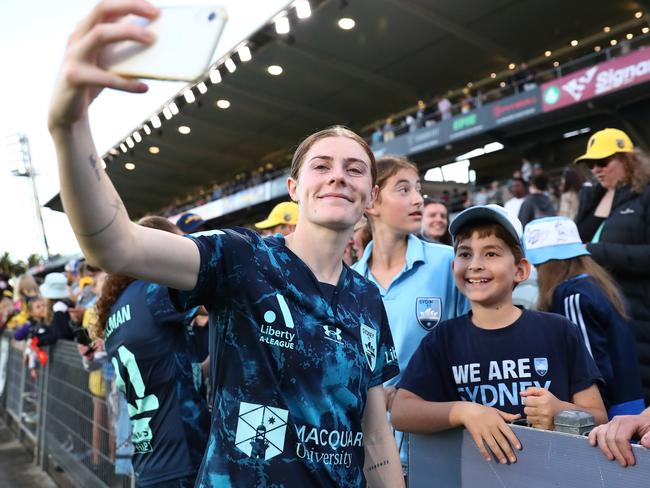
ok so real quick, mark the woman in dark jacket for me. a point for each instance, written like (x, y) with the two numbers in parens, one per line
(614, 220)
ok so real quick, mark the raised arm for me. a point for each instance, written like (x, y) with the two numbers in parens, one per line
(97, 215)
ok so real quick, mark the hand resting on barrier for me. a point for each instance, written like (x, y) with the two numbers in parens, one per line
(614, 437)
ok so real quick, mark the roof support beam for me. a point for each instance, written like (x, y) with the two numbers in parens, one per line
(461, 32)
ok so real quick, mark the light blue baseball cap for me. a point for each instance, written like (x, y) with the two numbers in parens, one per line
(491, 212)
(552, 238)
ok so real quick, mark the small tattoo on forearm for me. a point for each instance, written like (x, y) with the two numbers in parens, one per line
(94, 165)
(117, 204)
(378, 465)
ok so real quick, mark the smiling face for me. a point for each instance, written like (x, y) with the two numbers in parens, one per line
(37, 308)
(485, 269)
(435, 221)
(610, 175)
(334, 184)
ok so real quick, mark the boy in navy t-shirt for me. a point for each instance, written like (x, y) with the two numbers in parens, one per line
(497, 363)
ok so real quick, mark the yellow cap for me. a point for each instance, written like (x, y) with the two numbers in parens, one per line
(606, 143)
(85, 281)
(284, 213)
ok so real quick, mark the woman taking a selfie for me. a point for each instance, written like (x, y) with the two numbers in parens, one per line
(300, 344)
(614, 220)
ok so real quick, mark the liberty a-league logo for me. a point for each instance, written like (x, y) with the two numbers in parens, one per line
(541, 366)
(261, 430)
(369, 343)
(428, 311)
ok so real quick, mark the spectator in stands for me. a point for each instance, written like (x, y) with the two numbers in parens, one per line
(281, 220)
(518, 190)
(189, 223)
(466, 102)
(377, 136)
(389, 130)
(412, 275)
(614, 438)
(459, 369)
(495, 193)
(523, 79)
(151, 345)
(455, 202)
(421, 114)
(481, 196)
(526, 170)
(25, 289)
(71, 270)
(574, 285)
(361, 236)
(570, 184)
(435, 221)
(444, 108)
(537, 203)
(614, 221)
(255, 287)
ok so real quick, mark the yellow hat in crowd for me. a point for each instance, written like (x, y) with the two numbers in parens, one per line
(284, 213)
(606, 143)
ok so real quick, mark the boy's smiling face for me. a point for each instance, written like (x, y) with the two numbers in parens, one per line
(485, 270)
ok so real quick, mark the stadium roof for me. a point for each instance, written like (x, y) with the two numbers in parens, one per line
(398, 52)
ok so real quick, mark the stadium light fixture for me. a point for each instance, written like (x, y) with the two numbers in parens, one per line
(275, 70)
(303, 9)
(146, 129)
(282, 25)
(189, 96)
(597, 49)
(129, 166)
(607, 28)
(215, 76)
(130, 143)
(502, 84)
(556, 64)
(512, 66)
(573, 133)
(123, 147)
(493, 75)
(203, 89)
(114, 151)
(223, 104)
(154, 150)
(173, 108)
(346, 23)
(574, 42)
(167, 113)
(244, 53)
(183, 129)
(547, 54)
(470, 84)
(155, 122)
(638, 15)
(629, 36)
(137, 137)
(613, 42)
(645, 30)
(230, 65)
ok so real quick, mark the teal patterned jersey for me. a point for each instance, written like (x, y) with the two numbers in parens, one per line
(156, 367)
(292, 362)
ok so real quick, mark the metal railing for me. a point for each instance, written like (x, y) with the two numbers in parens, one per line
(53, 411)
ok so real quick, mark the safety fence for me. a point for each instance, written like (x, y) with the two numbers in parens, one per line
(52, 409)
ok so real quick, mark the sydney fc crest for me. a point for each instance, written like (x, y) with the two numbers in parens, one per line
(369, 343)
(261, 430)
(541, 366)
(428, 311)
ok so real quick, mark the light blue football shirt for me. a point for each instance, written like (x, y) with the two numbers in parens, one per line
(422, 295)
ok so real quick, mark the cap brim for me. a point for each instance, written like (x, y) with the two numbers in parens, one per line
(481, 213)
(563, 251)
(595, 155)
(265, 224)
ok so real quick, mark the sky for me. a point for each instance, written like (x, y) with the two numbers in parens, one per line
(32, 42)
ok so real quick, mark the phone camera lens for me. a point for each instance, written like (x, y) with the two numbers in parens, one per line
(212, 16)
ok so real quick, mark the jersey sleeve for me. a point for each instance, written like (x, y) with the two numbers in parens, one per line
(387, 366)
(583, 371)
(427, 374)
(211, 279)
(162, 308)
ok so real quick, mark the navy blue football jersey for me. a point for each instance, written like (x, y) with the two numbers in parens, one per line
(608, 338)
(156, 368)
(460, 361)
(292, 360)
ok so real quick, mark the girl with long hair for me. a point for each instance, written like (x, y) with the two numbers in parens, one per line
(571, 283)
(413, 276)
(299, 343)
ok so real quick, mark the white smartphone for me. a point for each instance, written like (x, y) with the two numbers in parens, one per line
(186, 37)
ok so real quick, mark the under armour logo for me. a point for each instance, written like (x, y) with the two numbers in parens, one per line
(333, 333)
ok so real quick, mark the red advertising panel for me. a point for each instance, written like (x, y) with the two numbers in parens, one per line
(598, 80)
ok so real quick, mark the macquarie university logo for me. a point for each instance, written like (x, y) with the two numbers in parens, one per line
(261, 430)
(541, 366)
(369, 343)
(428, 311)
